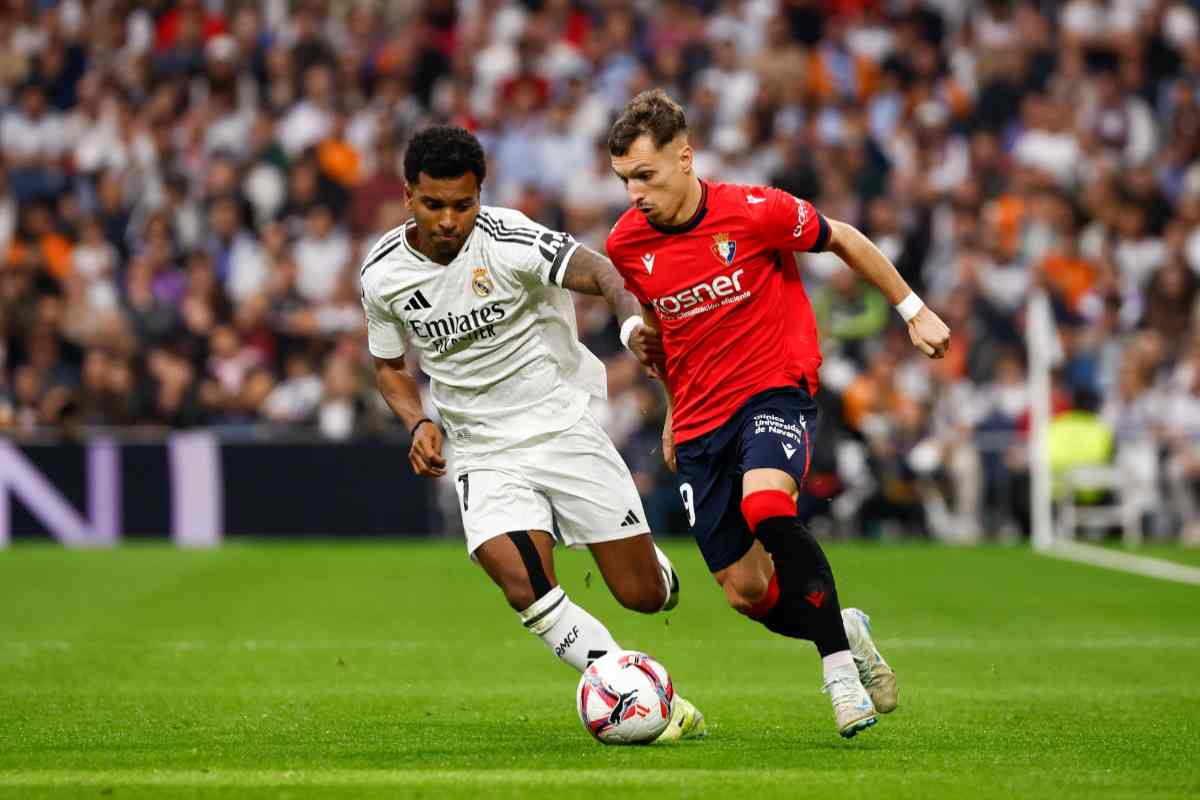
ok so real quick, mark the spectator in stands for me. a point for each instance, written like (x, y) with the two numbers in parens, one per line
(850, 312)
(185, 190)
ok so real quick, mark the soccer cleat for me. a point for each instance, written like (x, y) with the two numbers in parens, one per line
(687, 722)
(671, 578)
(877, 677)
(673, 594)
(852, 706)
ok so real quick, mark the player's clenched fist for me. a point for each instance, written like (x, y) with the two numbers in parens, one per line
(426, 452)
(646, 343)
(929, 334)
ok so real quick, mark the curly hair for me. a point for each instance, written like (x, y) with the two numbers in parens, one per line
(444, 151)
(652, 112)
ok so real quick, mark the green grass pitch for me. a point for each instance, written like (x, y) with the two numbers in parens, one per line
(372, 670)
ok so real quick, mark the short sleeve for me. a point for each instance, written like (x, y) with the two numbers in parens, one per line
(385, 337)
(534, 251)
(790, 223)
(549, 256)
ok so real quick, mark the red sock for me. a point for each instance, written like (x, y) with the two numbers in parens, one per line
(762, 505)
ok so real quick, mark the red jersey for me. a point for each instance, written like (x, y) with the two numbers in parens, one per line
(735, 318)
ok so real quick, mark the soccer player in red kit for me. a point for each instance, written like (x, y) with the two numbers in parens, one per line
(713, 267)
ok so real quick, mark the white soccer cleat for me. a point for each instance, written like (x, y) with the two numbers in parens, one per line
(687, 722)
(877, 677)
(669, 577)
(852, 706)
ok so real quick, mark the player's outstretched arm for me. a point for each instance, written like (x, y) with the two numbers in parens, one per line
(399, 389)
(928, 333)
(588, 272)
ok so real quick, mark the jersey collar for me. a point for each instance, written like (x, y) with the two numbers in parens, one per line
(414, 252)
(691, 224)
(417, 254)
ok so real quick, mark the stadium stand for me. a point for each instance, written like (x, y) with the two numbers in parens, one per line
(186, 190)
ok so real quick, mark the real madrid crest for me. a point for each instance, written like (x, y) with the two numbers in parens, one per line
(481, 282)
(724, 248)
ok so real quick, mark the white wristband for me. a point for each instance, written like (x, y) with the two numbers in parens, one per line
(909, 306)
(628, 328)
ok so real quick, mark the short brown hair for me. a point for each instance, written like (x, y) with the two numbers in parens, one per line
(652, 112)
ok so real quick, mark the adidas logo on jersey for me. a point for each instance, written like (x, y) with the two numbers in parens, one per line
(417, 302)
(630, 519)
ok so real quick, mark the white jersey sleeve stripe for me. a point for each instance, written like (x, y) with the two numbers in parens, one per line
(520, 236)
(380, 255)
(501, 227)
(385, 240)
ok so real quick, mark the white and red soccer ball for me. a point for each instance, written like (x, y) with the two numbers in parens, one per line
(625, 697)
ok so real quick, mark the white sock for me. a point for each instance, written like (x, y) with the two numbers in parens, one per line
(838, 665)
(573, 634)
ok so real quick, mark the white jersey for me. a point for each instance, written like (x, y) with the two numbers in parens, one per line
(495, 329)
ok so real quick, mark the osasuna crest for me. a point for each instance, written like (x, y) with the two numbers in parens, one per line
(724, 248)
(481, 282)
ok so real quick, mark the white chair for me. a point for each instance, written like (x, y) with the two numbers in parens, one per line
(1115, 507)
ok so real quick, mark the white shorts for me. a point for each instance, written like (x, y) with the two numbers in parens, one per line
(574, 478)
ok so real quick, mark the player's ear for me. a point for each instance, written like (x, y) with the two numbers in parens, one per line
(685, 157)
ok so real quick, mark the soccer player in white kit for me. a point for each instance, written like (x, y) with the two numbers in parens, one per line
(480, 293)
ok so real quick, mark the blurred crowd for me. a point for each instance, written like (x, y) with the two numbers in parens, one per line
(187, 188)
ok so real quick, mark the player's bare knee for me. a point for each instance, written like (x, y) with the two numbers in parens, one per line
(738, 602)
(755, 588)
(655, 597)
(745, 591)
(519, 597)
(517, 590)
(648, 596)
(526, 581)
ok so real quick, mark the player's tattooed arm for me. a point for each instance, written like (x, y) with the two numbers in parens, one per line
(588, 272)
(399, 389)
(926, 330)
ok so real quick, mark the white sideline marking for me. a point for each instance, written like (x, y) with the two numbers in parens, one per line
(235, 644)
(1124, 562)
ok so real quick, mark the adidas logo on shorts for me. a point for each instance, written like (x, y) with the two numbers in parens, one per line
(630, 519)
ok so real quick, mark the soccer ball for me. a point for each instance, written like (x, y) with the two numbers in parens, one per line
(625, 697)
